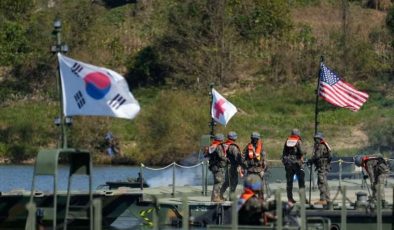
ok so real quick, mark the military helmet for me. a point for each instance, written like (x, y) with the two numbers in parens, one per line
(232, 135)
(358, 160)
(255, 135)
(219, 137)
(319, 135)
(253, 182)
(296, 132)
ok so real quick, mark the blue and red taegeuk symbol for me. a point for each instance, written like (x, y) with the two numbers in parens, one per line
(97, 84)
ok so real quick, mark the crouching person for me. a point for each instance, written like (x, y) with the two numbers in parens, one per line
(252, 208)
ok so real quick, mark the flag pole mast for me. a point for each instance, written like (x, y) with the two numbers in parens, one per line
(60, 47)
(212, 123)
(316, 125)
(317, 97)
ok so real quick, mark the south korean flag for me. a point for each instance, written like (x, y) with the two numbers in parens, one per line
(94, 91)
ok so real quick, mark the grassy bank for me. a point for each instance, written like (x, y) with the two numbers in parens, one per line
(171, 122)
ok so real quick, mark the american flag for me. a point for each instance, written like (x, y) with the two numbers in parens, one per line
(338, 92)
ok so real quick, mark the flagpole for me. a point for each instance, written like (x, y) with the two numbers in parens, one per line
(60, 47)
(316, 125)
(317, 97)
(212, 123)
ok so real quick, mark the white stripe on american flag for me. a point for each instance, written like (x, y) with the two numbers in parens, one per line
(338, 92)
(339, 96)
(359, 94)
(346, 94)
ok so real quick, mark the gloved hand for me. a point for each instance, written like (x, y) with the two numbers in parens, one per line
(261, 174)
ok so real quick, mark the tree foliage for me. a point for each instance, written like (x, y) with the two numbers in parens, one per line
(261, 18)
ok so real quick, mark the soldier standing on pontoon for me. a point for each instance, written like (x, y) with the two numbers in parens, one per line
(293, 160)
(253, 156)
(233, 153)
(321, 159)
(217, 164)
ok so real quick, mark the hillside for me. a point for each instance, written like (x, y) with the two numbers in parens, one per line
(263, 56)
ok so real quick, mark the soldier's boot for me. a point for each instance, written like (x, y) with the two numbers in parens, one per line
(290, 195)
(291, 200)
(321, 202)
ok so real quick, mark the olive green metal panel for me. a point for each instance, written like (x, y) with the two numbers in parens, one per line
(46, 162)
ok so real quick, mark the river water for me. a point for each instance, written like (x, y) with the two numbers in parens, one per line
(19, 177)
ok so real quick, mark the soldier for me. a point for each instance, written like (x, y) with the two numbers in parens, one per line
(233, 155)
(251, 204)
(253, 156)
(321, 159)
(217, 164)
(377, 170)
(293, 160)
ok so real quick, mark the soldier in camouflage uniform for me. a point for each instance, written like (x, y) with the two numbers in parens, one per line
(252, 209)
(217, 164)
(321, 159)
(253, 156)
(377, 169)
(293, 160)
(233, 154)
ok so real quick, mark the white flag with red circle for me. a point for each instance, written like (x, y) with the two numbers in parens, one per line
(90, 90)
(222, 110)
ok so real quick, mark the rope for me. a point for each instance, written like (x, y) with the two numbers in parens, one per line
(188, 167)
(158, 169)
(172, 164)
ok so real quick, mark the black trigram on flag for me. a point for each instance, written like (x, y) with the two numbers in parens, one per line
(79, 99)
(76, 68)
(117, 101)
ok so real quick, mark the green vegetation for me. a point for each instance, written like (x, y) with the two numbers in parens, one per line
(262, 55)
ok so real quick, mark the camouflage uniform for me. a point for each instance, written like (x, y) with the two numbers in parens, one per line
(231, 174)
(377, 170)
(251, 205)
(322, 159)
(292, 159)
(253, 156)
(217, 164)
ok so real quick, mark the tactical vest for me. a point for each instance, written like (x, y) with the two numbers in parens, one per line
(323, 158)
(254, 155)
(215, 161)
(233, 157)
(291, 149)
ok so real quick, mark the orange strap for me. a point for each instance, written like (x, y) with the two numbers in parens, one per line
(248, 193)
(252, 151)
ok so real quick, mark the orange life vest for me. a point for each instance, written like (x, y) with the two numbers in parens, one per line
(255, 152)
(230, 142)
(292, 140)
(248, 193)
(214, 145)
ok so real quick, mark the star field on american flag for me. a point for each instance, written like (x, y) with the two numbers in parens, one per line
(338, 92)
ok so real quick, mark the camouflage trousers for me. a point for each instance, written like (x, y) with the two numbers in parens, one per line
(377, 177)
(323, 184)
(230, 179)
(291, 170)
(218, 179)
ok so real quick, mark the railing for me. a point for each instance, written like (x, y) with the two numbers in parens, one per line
(174, 165)
(354, 172)
(305, 222)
